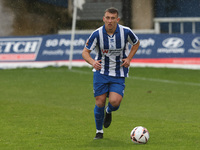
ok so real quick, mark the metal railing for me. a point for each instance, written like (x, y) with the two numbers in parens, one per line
(181, 20)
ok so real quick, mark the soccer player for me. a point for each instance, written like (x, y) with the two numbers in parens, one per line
(110, 66)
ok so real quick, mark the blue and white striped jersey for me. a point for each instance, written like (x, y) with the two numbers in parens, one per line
(112, 49)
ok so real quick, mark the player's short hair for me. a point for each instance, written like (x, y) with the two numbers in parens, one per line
(112, 10)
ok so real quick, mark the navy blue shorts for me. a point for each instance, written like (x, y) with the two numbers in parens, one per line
(104, 84)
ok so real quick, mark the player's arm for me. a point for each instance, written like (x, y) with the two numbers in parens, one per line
(127, 61)
(87, 57)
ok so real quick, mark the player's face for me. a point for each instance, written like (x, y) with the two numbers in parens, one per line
(110, 21)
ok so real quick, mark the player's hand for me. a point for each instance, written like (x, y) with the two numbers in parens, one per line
(126, 62)
(97, 65)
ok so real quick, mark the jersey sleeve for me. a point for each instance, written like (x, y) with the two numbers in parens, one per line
(92, 41)
(132, 38)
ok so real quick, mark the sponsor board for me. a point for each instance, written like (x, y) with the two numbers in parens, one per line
(195, 46)
(177, 47)
(154, 48)
(172, 45)
(19, 49)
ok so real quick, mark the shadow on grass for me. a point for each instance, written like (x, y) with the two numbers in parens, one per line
(111, 143)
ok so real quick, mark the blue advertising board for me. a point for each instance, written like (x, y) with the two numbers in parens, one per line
(40, 48)
(154, 48)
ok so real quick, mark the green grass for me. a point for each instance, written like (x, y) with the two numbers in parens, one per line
(52, 109)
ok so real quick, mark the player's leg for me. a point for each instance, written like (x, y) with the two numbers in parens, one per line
(99, 112)
(100, 92)
(116, 93)
(113, 105)
(99, 115)
(114, 102)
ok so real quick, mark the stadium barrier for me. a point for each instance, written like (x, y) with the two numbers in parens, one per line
(156, 50)
(181, 21)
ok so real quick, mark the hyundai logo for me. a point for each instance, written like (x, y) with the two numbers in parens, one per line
(196, 43)
(173, 42)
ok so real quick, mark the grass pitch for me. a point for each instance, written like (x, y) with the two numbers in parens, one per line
(52, 108)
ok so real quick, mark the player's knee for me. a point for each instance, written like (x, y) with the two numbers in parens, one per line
(100, 101)
(115, 100)
(115, 103)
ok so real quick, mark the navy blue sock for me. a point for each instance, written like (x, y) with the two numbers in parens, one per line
(99, 117)
(111, 108)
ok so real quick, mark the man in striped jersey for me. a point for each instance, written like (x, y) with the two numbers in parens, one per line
(110, 66)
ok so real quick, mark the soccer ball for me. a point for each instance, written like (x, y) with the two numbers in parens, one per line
(139, 135)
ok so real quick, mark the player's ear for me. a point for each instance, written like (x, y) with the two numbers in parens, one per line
(118, 19)
(103, 19)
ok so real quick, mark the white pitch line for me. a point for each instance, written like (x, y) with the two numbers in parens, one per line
(81, 72)
(147, 79)
(165, 81)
